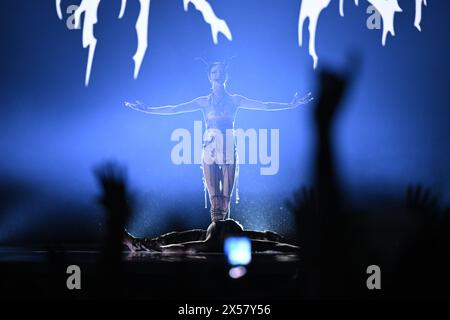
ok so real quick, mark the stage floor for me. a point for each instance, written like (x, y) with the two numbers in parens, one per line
(40, 273)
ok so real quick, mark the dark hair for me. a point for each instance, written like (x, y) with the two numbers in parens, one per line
(223, 228)
(217, 63)
(209, 65)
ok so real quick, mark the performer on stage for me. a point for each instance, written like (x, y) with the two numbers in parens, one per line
(219, 158)
(210, 240)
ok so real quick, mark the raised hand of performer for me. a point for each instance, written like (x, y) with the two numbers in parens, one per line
(193, 105)
(250, 104)
(298, 101)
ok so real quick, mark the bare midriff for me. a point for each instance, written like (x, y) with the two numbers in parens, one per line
(220, 113)
(222, 123)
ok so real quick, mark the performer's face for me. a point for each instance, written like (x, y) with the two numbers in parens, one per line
(218, 74)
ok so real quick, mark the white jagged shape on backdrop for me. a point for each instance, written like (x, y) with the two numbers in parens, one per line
(309, 9)
(418, 18)
(217, 25)
(387, 10)
(90, 9)
(142, 35)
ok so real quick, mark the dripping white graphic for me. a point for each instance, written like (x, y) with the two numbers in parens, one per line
(387, 10)
(309, 9)
(123, 5)
(312, 9)
(90, 8)
(141, 30)
(58, 9)
(217, 25)
(418, 17)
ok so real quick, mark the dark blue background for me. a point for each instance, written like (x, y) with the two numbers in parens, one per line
(54, 130)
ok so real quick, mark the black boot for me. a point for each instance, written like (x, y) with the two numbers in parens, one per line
(218, 214)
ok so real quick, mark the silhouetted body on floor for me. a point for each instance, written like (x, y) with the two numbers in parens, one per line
(210, 240)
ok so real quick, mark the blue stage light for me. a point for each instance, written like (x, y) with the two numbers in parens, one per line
(238, 250)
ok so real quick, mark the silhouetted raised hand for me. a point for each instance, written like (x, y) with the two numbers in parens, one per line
(112, 180)
(332, 89)
(304, 201)
(323, 227)
(420, 200)
(306, 212)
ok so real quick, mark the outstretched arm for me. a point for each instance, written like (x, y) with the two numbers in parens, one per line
(194, 105)
(246, 103)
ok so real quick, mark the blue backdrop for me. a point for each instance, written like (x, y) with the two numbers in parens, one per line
(54, 130)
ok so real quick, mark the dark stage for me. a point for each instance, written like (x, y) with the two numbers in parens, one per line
(302, 146)
(41, 274)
